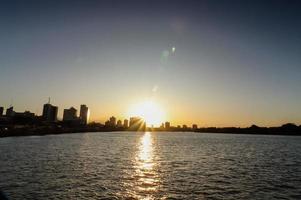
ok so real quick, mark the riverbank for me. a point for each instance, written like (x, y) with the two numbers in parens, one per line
(287, 129)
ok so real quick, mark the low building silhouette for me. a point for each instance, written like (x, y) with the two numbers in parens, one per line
(25, 114)
(10, 112)
(70, 114)
(194, 126)
(23, 118)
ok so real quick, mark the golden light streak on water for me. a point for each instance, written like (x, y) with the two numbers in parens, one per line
(148, 178)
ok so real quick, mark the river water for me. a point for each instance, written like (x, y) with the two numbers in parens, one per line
(128, 165)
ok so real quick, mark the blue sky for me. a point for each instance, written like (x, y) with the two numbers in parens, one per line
(234, 63)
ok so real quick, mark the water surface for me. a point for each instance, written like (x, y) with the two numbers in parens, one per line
(128, 165)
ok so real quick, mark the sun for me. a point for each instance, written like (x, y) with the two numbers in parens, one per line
(151, 112)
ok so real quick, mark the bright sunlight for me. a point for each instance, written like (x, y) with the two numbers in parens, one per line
(151, 112)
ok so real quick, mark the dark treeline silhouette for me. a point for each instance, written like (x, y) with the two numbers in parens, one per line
(286, 129)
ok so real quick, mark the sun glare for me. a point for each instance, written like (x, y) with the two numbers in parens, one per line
(151, 112)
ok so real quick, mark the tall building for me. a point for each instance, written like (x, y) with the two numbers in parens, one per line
(167, 125)
(119, 123)
(162, 126)
(125, 123)
(1, 111)
(10, 112)
(49, 112)
(112, 121)
(107, 123)
(194, 126)
(70, 114)
(84, 114)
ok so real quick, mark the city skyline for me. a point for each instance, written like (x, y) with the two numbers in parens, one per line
(150, 99)
(72, 118)
(50, 114)
(205, 62)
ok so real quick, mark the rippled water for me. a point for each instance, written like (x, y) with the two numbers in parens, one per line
(151, 166)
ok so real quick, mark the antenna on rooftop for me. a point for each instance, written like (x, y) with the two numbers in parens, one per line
(48, 100)
(11, 102)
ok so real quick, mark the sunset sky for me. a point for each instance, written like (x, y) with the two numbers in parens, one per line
(214, 63)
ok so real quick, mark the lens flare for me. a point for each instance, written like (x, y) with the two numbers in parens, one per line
(173, 49)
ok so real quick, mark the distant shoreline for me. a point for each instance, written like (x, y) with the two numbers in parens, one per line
(285, 130)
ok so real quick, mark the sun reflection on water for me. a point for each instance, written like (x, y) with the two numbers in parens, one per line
(147, 177)
(145, 150)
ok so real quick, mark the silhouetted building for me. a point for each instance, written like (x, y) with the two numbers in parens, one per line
(119, 123)
(49, 112)
(112, 121)
(194, 126)
(1, 111)
(125, 123)
(137, 123)
(84, 114)
(70, 114)
(24, 114)
(133, 120)
(167, 125)
(162, 125)
(23, 118)
(10, 112)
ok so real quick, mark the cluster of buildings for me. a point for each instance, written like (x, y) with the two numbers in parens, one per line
(70, 115)
(135, 123)
(49, 115)
(71, 118)
(167, 126)
(11, 113)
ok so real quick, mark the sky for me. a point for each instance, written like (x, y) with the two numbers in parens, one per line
(213, 63)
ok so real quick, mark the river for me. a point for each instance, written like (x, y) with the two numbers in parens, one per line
(151, 165)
